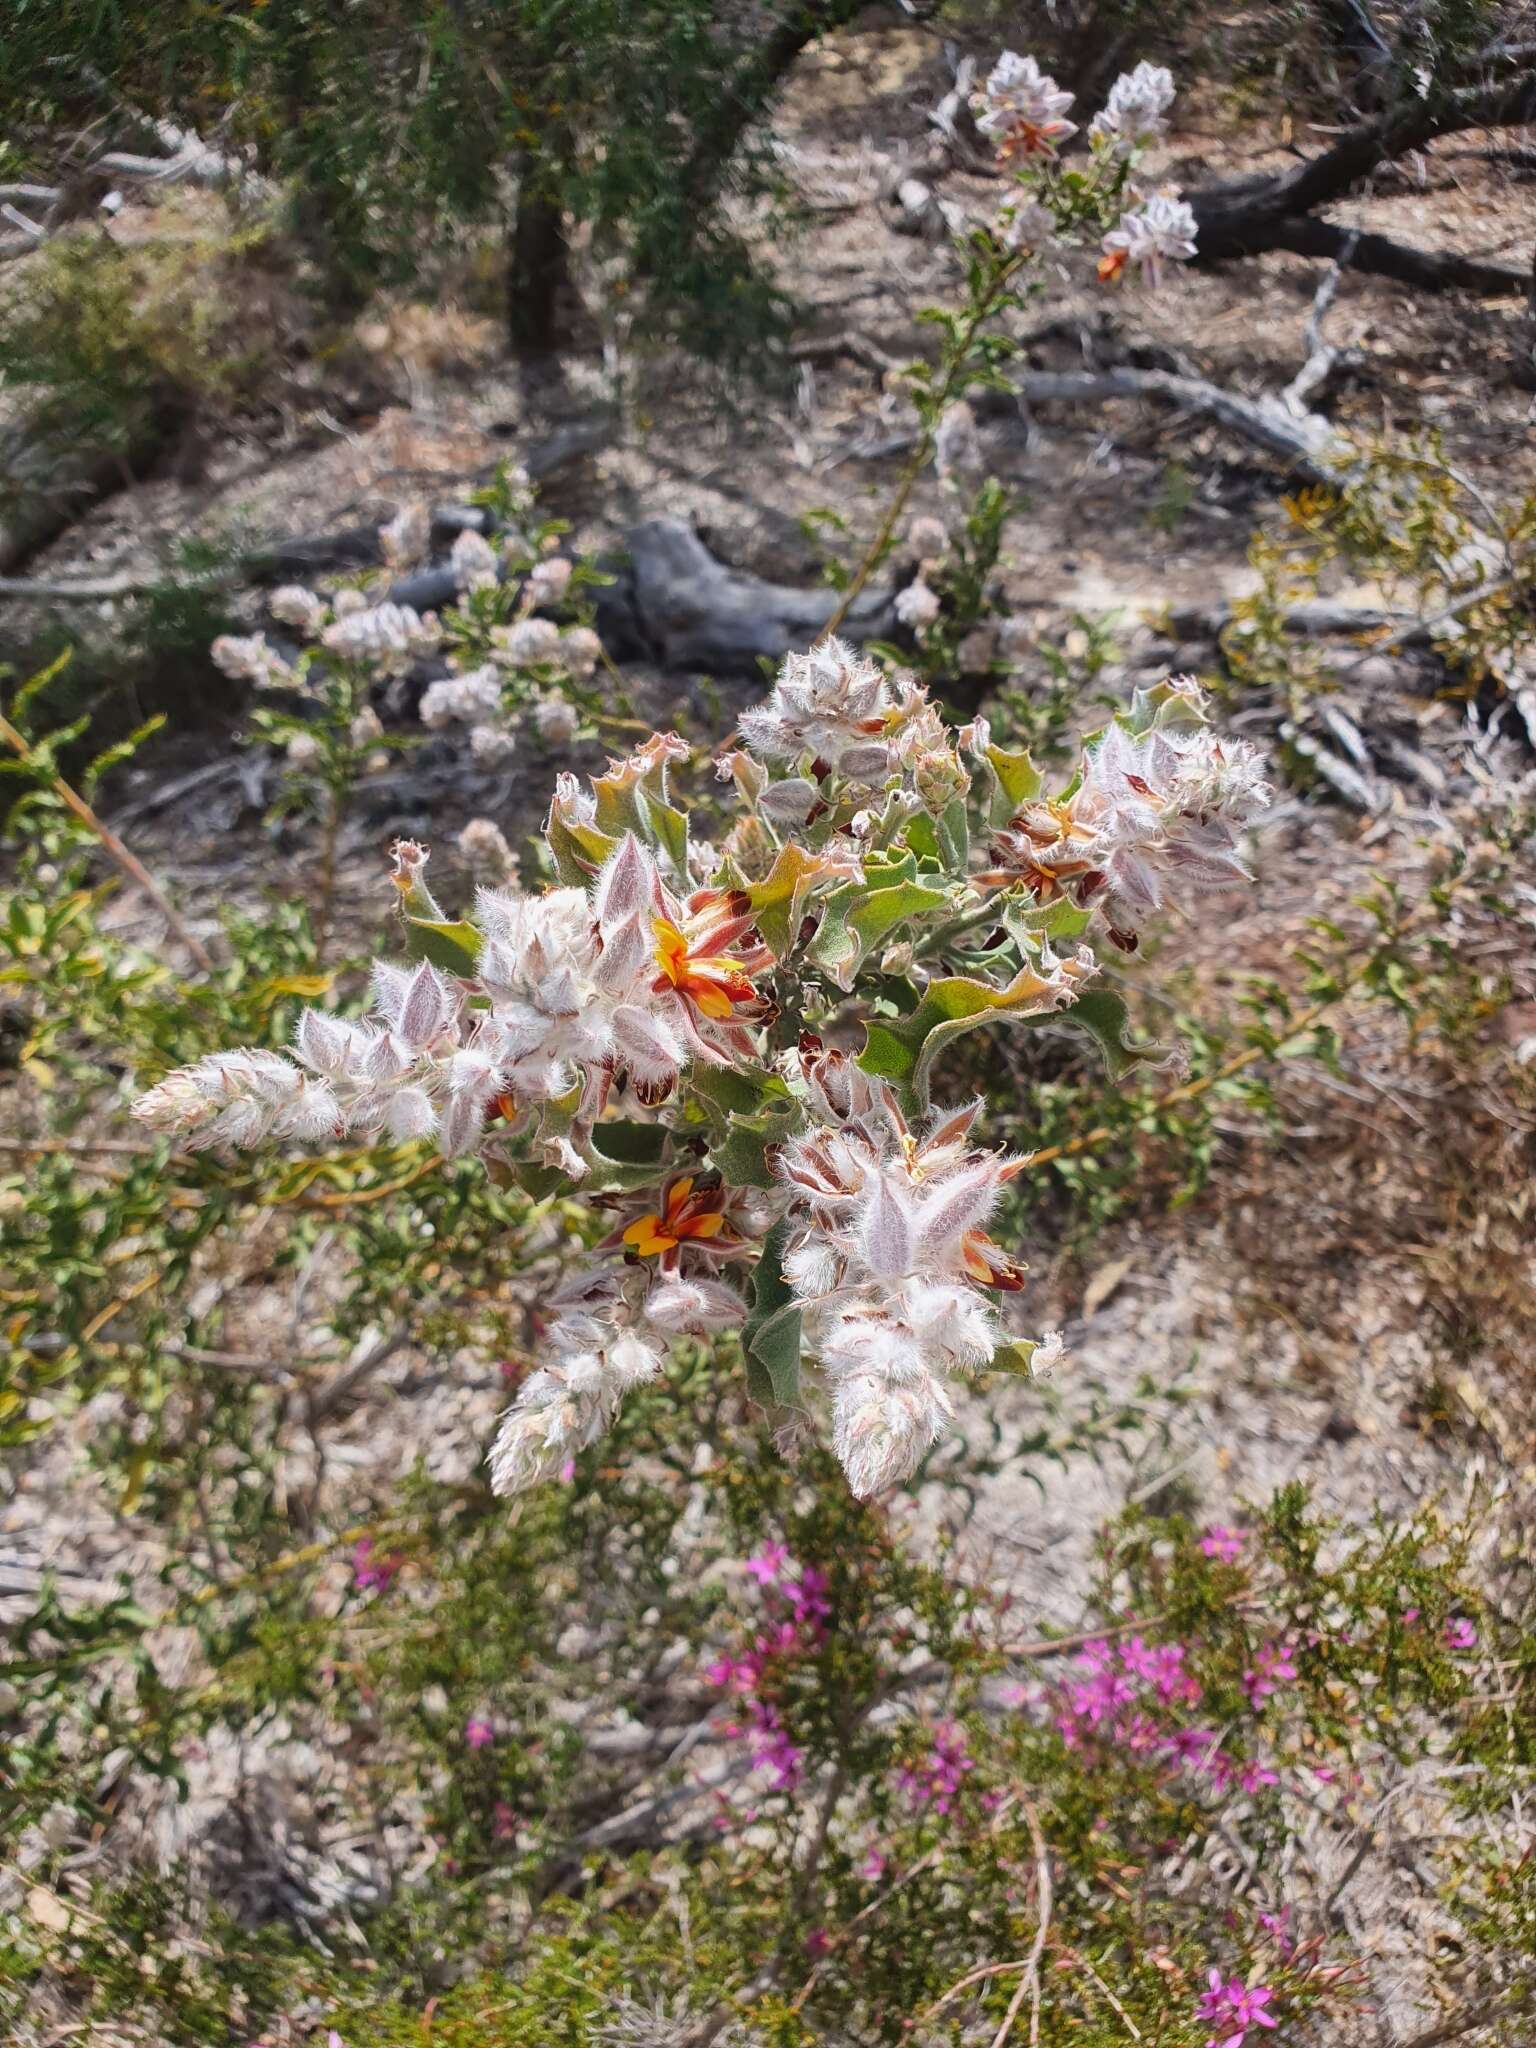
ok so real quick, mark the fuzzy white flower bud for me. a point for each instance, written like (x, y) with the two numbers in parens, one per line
(483, 846)
(473, 561)
(293, 605)
(556, 718)
(407, 536)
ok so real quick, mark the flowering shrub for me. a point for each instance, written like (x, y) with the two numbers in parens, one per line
(668, 1032)
(357, 647)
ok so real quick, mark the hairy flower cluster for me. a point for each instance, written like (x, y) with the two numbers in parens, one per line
(830, 707)
(1160, 230)
(251, 659)
(1150, 814)
(1133, 115)
(1022, 109)
(624, 1028)
(388, 636)
(590, 1365)
(889, 1261)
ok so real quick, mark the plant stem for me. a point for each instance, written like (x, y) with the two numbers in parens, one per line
(955, 373)
(127, 861)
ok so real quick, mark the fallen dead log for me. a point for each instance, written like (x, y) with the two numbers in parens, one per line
(1431, 270)
(1302, 440)
(1245, 216)
(698, 614)
(669, 600)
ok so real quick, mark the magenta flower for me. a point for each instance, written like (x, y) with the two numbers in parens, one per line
(1253, 1775)
(937, 1779)
(1271, 1666)
(1460, 1634)
(1234, 2009)
(1278, 1926)
(808, 1597)
(817, 1942)
(1223, 1543)
(503, 1822)
(767, 1565)
(873, 1866)
(369, 1571)
(478, 1734)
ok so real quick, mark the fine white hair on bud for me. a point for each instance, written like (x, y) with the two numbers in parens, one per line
(1133, 115)
(556, 718)
(1161, 229)
(407, 536)
(250, 659)
(293, 605)
(474, 562)
(917, 605)
(571, 1401)
(484, 850)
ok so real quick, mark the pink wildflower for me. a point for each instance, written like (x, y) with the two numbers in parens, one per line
(1271, 1666)
(1234, 2009)
(1223, 1543)
(1460, 1634)
(503, 1821)
(817, 1942)
(767, 1565)
(369, 1571)
(1254, 1775)
(808, 1597)
(938, 1778)
(478, 1734)
(873, 1866)
(1278, 1926)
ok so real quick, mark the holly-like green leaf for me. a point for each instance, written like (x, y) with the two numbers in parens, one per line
(579, 850)
(452, 946)
(779, 900)
(1103, 1015)
(741, 1156)
(857, 919)
(1018, 781)
(628, 1143)
(770, 1336)
(903, 1049)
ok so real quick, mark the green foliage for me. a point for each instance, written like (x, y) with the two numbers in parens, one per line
(398, 129)
(109, 343)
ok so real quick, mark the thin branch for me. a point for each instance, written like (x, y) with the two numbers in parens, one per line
(128, 861)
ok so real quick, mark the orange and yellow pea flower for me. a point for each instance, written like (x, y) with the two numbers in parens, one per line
(714, 984)
(684, 1215)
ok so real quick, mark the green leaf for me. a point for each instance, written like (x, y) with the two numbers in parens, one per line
(743, 1090)
(1103, 1015)
(856, 919)
(903, 1049)
(779, 900)
(579, 850)
(1018, 780)
(1016, 1356)
(452, 946)
(741, 1156)
(628, 1143)
(770, 1336)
